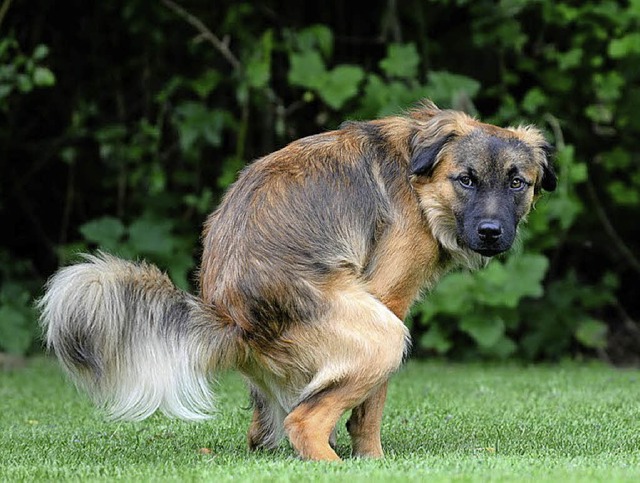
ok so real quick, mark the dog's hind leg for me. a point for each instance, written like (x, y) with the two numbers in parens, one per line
(310, 424)
(266, 429)
(354, 350)
(365, 422)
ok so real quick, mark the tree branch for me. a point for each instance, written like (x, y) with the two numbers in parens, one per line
(618, 242)
(4, 9)
(205, 33)
(557, 130)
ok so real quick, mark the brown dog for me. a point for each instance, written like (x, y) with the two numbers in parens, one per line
(310, 264)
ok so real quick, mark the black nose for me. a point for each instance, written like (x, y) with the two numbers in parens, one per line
(489, 230)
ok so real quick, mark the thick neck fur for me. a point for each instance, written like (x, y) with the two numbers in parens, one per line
(437, 216)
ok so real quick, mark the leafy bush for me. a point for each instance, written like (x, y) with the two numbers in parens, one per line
(20, 74)
(18, 328)
(135, 152)
(483, 305)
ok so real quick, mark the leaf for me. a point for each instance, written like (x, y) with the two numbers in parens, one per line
(111, 133)
(15, 334)
(69, 253)
(592, 333)
(178, 264)
(565, 210)
(24, 83)
(530, 267)
(534, 100)
(609, 86)
(503, 348)
(43, 77)
(382, 98)
(625, 46)
(486, 330)
(157, 179)
(230, 168)
(258, 68)
(306, 69)
(436, 339)
(599, 113)
(340, 85)
(376, 95)
(570, 59)
(202, 203)
(623, 195)
(577, 172)
(425, 311)
(5, 90)
(202, 85)
(106, 232)
(494, 287)
(453, 294)
(316, 36)
(444, 87)
(151, 236)
(111, 139)
(40, 52)
(402, 61)
(521, 276)
(616, 159)
(212, 127)
(195, 122)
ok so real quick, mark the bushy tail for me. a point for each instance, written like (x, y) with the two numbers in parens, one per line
(134, 341)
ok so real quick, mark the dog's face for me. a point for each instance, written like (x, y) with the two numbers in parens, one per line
(476, 182)
(493, 180)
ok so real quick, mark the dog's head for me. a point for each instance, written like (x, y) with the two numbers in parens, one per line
(476, 181)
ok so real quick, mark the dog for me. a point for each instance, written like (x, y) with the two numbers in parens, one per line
(310, 263)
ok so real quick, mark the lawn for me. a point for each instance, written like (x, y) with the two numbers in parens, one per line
(443, 422)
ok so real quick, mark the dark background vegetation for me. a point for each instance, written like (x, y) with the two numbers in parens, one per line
(123, 121)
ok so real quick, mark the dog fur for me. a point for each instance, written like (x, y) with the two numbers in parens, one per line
(310, 264)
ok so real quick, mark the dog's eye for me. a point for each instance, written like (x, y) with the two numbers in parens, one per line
(465, 181)
(517, 184)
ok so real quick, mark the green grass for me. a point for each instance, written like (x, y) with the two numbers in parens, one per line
(442, 423)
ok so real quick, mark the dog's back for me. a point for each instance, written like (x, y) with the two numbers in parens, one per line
(293, 223)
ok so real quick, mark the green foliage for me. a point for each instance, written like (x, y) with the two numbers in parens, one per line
(147, 238)
(402, 61)
(18, 328)
(568, 315)
(308, 70)
(143, 131)
(483, 305)
(16, 319)
(400, 87)
(20, 72)
(196, 123)
(564, 319)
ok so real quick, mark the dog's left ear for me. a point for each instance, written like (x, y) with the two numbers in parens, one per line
(424, 159)
(549, 178)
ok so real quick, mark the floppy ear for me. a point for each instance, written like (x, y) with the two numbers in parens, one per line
(549, 178)
(424, 159)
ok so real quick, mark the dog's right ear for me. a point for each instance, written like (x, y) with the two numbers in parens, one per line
(425, 158)
(549, 177)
